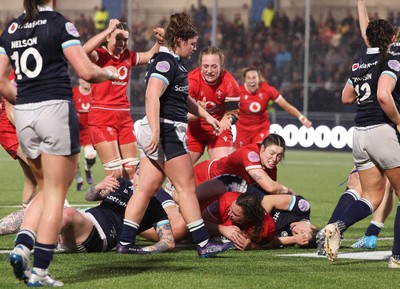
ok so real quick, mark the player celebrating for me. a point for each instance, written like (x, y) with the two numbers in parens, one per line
(218, 92)
(255, 94)
(110, 123)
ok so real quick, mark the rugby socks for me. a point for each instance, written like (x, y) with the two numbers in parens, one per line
(129, 232)
(357, 211)
(396, 242)
(164, 198)
(89, 163)
(25, 237)
(43, 255)
(347, 198)
(374, 229)
(199, 232)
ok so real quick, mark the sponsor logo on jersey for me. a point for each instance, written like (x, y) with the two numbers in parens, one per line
(71, 29)
(122, 72)
(253, 156)
(24, 42)
(394, 64)
(255, 107)
(13, 27)
(355, 66)
(34, 24)
(163, 66)
(179, 88)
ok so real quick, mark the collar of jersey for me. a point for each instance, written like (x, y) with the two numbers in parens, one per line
(372, 50)
(166, 49)
(43, 8)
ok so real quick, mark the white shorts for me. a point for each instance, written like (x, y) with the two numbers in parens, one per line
(376, 145)
(49, 127)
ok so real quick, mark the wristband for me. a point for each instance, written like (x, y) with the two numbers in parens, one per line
(233, 118)
(302, 118)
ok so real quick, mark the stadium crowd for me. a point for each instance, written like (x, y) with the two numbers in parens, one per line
(278, 51)
(184, 101)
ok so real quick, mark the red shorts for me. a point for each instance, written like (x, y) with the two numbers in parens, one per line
(8, 139)
(110, 125)
(249, 135)
(198, 140)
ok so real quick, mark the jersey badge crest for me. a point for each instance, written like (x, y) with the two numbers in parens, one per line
(304, 205)
(163, 66)
(253, 156)
(394, 64)
(71, 29)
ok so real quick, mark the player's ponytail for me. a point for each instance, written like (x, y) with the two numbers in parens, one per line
(32, 9)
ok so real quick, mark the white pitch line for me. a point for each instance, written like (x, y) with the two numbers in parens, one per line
(364, 255)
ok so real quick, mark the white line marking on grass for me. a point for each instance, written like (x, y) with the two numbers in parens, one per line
(364, 255)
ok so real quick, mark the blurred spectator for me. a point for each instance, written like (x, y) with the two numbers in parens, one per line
(101, 17)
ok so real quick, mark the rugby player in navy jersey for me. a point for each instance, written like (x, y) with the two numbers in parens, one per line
(161, 139)
(37, 45)
(97, 229)
(373, 86)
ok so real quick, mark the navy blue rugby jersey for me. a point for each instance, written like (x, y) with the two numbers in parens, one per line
(301, 211)
(171, 70)
(35, 50)
(114, 205)
(364, 76)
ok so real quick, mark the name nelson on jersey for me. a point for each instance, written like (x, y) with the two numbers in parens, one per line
(23, 43)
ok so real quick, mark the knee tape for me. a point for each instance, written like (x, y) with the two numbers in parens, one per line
(113, 165)
(130, 163)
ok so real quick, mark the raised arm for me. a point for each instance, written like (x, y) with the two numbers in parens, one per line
(363, 19)
(146, 56)
(94, 42)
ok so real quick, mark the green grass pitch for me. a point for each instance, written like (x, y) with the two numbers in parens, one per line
(315, 175)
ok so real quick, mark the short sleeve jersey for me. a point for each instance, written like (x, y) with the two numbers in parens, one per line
(114, 205)
(283, 219)
(253, 108)
(240, 162)
(219, 210)
(36, 53)
(171, 70)
(364, 76)
(82, 101)
(225, 89)
(112, 93)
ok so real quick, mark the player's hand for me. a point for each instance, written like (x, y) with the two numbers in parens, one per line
(159, 33)
(215, 124)
(226, 122)
(112, 25)
(109, 183)
(203, 103)
(242, 242)
(114, 72)
(153, 143)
